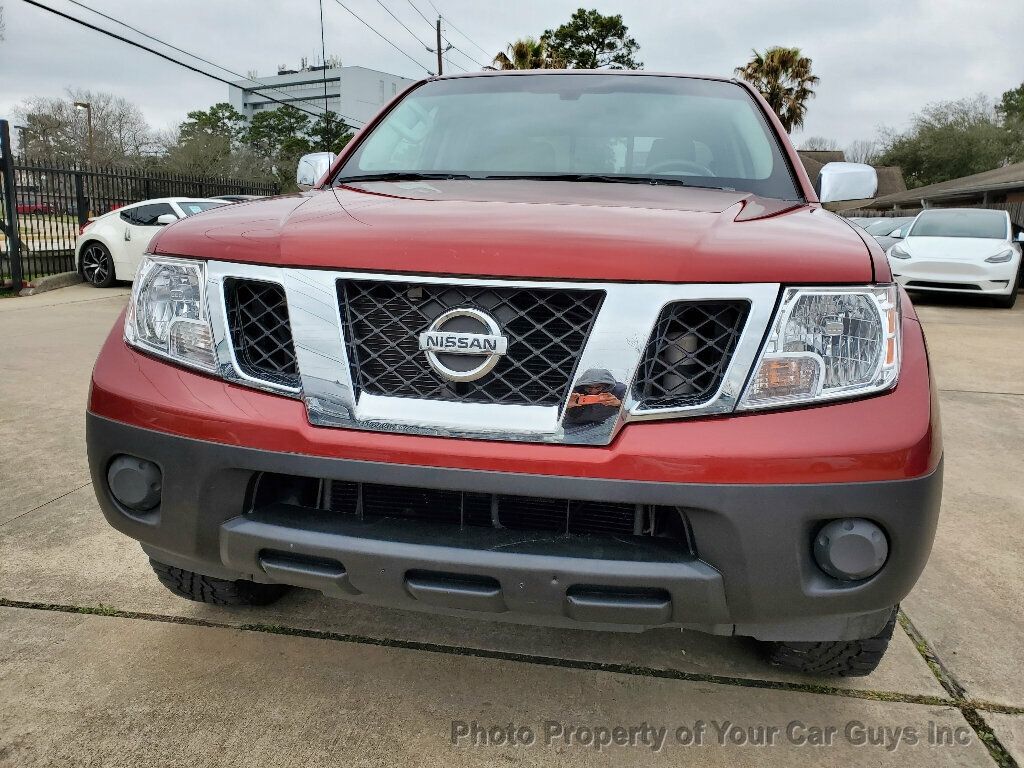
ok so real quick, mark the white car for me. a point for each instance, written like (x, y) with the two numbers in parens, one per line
(960, 250)
(111, 246)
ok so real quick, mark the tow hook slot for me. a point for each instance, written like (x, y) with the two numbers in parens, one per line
(459, 591)
(323, 574)
(619, 605)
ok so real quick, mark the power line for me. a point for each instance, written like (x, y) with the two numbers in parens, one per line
(456, 65)
(449, 42)
(456, 48)
(429, 22)
(378, 34)
(467, 37)
(414, 36)
(179, 50)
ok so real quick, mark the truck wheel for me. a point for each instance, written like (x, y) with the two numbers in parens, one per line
(206, 589)
(843, 658)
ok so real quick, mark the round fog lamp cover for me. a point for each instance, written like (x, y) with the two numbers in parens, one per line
(134, 482)
(851, 549)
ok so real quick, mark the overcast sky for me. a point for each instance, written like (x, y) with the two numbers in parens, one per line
(879, 61)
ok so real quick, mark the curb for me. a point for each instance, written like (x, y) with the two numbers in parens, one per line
(50, 283)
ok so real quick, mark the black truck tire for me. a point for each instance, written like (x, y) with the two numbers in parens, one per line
(842, 658)
(206, 589)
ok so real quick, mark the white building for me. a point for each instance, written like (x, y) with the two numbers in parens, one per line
(356, 93)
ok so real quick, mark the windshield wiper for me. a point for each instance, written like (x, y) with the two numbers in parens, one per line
(402, 176)
(611, 179)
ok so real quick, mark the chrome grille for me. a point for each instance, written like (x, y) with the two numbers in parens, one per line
(546, 330)
(688, 353)
(261, 334)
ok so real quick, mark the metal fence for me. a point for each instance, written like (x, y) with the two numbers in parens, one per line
(43, 205)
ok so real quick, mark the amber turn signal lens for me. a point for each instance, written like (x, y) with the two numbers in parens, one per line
(786, 376)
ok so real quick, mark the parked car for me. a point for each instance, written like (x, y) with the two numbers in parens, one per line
(36, 208)
(237, 198)
(888, 231)
(111, 246)
(960, 250)
(471, 372)
(864, 223)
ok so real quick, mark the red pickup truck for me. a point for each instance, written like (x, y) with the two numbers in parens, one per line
(579, 349)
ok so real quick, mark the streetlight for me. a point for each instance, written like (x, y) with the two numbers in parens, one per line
(88, 112)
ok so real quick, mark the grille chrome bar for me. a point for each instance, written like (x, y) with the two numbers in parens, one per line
(613, 352)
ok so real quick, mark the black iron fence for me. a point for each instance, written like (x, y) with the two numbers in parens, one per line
(43, 205)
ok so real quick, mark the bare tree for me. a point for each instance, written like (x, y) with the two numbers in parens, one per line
(2, 25)
(862, 151)
(819, 144)
(56, 129)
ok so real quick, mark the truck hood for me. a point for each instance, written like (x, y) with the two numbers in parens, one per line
(533, 229)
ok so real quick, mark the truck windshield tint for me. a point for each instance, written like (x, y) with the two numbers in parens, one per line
(983, 224)
(579, 127)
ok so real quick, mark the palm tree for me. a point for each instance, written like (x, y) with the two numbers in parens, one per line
(783, 76)
(524, 53)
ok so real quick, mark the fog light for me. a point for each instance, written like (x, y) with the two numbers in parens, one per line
(135, 482)
(851, 549)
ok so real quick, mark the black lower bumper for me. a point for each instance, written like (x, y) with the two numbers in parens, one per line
(752, 572)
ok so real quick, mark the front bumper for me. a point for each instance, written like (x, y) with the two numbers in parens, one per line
(952, 276)
(755, 488)
(752, 574)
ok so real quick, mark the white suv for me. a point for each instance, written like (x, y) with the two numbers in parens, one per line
(960, 250)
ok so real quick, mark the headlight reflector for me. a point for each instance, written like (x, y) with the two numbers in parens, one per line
(167, 314)
(826, 344)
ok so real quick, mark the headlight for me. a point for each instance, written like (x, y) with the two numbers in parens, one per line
(827, 344)
(167, 314)
(1001, 257)
(899, 252)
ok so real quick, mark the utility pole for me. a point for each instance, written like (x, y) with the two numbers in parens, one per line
(440, 50)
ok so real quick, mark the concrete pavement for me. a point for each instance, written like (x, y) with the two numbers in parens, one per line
(100, 665)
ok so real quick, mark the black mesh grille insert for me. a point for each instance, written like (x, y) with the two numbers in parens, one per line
(521, 513)
(546, 332)
(260, 331)
(689, 352)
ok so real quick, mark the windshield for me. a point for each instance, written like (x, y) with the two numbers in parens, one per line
(886, 226)
(958, 223)
(192, 207)
(579, 127)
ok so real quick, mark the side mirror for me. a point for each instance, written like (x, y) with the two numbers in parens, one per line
(165, 218)
(312, 168)
(897, 233)
(1020, 237)
(847, 181)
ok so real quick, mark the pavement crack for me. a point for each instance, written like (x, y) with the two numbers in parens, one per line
(981, 392)
(45, 503)
(969, 708)
(524, 658)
